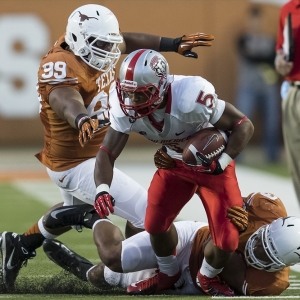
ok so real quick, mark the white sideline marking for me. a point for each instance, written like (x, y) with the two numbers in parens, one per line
(255, 297)
(43, 190)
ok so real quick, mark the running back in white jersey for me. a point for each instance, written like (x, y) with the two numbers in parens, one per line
(192, 105)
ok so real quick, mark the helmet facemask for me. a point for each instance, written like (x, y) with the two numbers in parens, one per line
(143, 74)
(279, 244)
(150, 92)
(93, 34)
(259, 239)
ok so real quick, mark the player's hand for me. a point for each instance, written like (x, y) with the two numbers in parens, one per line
(87, 127)
(102, 124)
(239, 217)
(187, 42)
(208, 166)
(104, 204)
(162, 160)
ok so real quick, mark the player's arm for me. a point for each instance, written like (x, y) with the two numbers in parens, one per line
(239, 125)
(68, 105)
(182, 45)
(241, 131)
(113, 144)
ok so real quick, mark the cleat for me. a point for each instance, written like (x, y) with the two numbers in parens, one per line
(13, 257)
(66, 258)
(74, 215)
(213, 286)
(153, 285)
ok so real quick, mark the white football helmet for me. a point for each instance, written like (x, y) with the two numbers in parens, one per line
(280, 241)
(93, 34)
(142, 71)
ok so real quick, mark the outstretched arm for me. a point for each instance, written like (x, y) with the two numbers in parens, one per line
(182, 45)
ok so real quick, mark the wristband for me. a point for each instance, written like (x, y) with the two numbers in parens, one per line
(224, 160)
(167, 45)
(79, 119)
(103, 187)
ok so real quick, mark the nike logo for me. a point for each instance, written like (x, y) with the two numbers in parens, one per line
(212, 138)
(137, 282)
(8, 265)
(54, 213)
(179, 133)
(62, 179)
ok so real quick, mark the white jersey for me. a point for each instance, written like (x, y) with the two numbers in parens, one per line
(192, 105)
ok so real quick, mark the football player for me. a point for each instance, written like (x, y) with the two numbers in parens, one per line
(76, 82)
(259, 266)
(168, 109)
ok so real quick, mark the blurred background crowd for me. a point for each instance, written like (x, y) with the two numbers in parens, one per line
(240, 63)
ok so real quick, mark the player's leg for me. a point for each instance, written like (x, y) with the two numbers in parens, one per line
(217, 197)
(16, 249)
(167, 195)
(130, 197)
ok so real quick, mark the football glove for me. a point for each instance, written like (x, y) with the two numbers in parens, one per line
(239, 217)
(208, 166)
(186, 43)
(104, 204)
(162, 160)
(87, 127)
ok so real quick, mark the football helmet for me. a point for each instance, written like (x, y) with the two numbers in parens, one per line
(93, 34)
(142, 72)
(280, 241)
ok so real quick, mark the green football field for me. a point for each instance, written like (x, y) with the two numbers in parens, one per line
(42, 278)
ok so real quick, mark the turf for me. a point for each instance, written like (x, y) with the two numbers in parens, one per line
(42, 278)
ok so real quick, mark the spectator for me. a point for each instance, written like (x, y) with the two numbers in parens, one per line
(290, 89)
(257, 89)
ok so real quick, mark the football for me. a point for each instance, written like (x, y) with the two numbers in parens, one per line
(211, 142)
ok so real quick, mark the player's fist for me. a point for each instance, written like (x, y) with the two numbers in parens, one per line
(162, 160)
(86, 127)
(187, 42)
(239, 217)
(104, 204)
(207, 166)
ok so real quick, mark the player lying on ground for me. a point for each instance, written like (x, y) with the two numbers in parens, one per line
(255, 268)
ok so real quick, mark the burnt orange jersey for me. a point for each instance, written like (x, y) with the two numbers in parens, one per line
(263, 208)
(61, 68)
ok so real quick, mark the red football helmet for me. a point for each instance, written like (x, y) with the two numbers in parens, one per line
(145, 73)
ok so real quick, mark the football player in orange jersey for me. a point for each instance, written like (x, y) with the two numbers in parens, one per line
(76, 81)
(259, 267)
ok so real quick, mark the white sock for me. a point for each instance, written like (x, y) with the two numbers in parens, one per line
(101, 220)
(43, 231)
(209, 271)
(111, 277)
(168, 264)
(87, 272)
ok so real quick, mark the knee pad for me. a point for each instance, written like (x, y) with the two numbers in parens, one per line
(131, 258)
